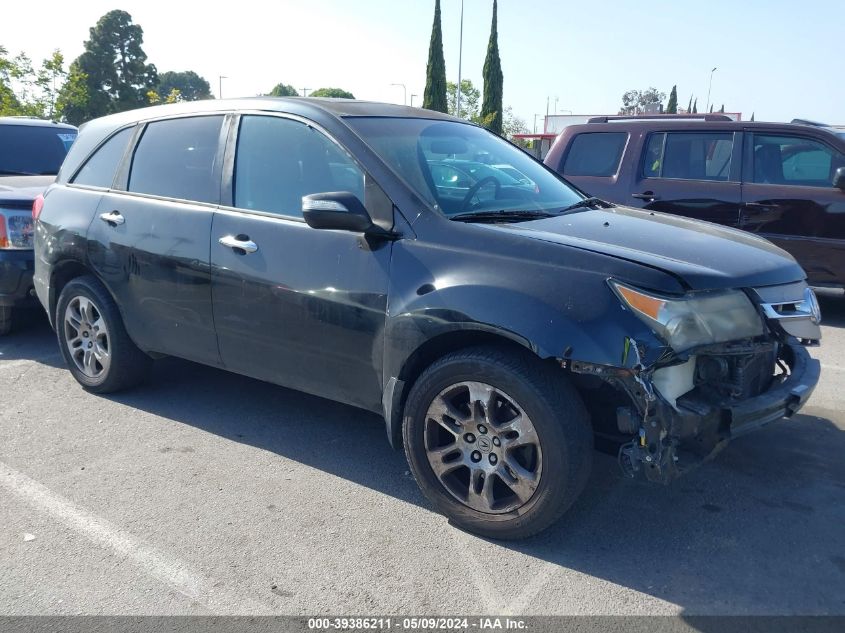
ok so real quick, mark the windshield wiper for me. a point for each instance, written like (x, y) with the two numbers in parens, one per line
(587, 203)
(516, 215)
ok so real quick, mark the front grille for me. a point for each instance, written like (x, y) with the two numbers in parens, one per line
(736, 376)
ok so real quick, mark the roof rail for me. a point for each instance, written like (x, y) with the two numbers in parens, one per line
(808, 122)
(661, 117)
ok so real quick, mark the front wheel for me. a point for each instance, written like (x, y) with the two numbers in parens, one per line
(93, 339)
(498, 441)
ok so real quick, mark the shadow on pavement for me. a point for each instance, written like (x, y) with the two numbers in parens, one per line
(832, 303)
(758, 531)
(31, 339)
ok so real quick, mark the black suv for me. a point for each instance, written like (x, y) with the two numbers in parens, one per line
(31, 152)
(781, 181)
(305, 242)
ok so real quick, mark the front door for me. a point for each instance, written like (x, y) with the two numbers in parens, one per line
(149, 243)
(693, 174)
(297, 306)
(789, 198)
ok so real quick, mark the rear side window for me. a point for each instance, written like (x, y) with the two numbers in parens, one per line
(689, 156)
(280, 160)
(176, 159)
(595, 154)
(99, 170)
(793, 160)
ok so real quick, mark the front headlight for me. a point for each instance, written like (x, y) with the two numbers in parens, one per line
(696, 319)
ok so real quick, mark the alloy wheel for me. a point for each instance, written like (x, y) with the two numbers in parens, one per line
(483, 447)
(87, 337)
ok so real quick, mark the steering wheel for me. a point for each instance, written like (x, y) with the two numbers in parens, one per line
(477, 187)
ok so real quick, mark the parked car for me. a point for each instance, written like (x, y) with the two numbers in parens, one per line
(31, 152)
(782, 181)
(305, 242)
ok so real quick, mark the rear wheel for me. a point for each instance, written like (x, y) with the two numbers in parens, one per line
(93, 339)
(5, 320)
(498, 442)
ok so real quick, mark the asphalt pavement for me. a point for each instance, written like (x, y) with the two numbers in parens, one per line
(204, 492)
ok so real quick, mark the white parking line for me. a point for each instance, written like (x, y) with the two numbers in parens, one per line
(166, 568)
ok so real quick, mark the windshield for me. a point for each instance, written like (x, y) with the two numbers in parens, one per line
(460, 168)
(33, 149)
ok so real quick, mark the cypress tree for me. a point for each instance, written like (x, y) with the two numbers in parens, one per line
(491, 107)
(689, 107)
(711, 108)
(722, 109)
(695, 107)
(434, 97)
(672, 106)
(752, 116)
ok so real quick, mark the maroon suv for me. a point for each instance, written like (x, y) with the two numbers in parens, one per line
(782, 181)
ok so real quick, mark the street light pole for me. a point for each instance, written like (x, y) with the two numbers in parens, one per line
(220, 79)
(710, 85)
(460, 58)
(405, 91)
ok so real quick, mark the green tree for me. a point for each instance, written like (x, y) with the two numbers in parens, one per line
(190, 85)
(752, 116)
(672, 106)
(695, 107)
(49, 79)
(470, 97)
(722, 109)
(512, 124)
(435, 95)
(9, 103)
(283, 90)
(73, 98)
(491, 108)
(635, 101)
(114, 64)
(689, 107)
(338, 93)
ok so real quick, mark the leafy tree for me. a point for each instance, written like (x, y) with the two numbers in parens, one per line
(114, 64)
(333, 92)
(73, 97)
(635, 101)
(491, 108)
(672, 106)
(283, 90)
(49, 80)
(470, 97)
(435, 95)
(695, 107)
(512, 124)
(174, 96)
(189, 85)
(9, 103)
(25, 91)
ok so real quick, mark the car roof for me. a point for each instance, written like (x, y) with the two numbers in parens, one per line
(33, 122)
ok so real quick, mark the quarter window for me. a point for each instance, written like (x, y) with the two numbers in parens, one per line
(595, 154)
(689, 156)
(280, 160)
(99, 170)
(792, 160)
(176, 159)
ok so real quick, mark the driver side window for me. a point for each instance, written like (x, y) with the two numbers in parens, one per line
(278, 161)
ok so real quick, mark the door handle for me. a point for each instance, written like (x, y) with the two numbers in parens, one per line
(239, 242)
(645, 195)
(114, 218)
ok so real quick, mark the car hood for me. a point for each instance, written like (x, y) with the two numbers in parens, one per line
(701, 255)
(22, 189)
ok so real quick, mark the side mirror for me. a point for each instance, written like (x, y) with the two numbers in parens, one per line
(338, 210)
(839, 178)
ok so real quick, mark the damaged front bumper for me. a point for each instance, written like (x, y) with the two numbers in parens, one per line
(685, 411)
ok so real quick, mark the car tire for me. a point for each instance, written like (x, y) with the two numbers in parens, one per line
(5, 320)
(94, 341)
(521, 441)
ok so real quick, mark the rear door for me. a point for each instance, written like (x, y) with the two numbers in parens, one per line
(693, 174)
(789, 198)
(297, 306)
(149, 239)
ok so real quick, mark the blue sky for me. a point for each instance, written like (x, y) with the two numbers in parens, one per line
(776, 58)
